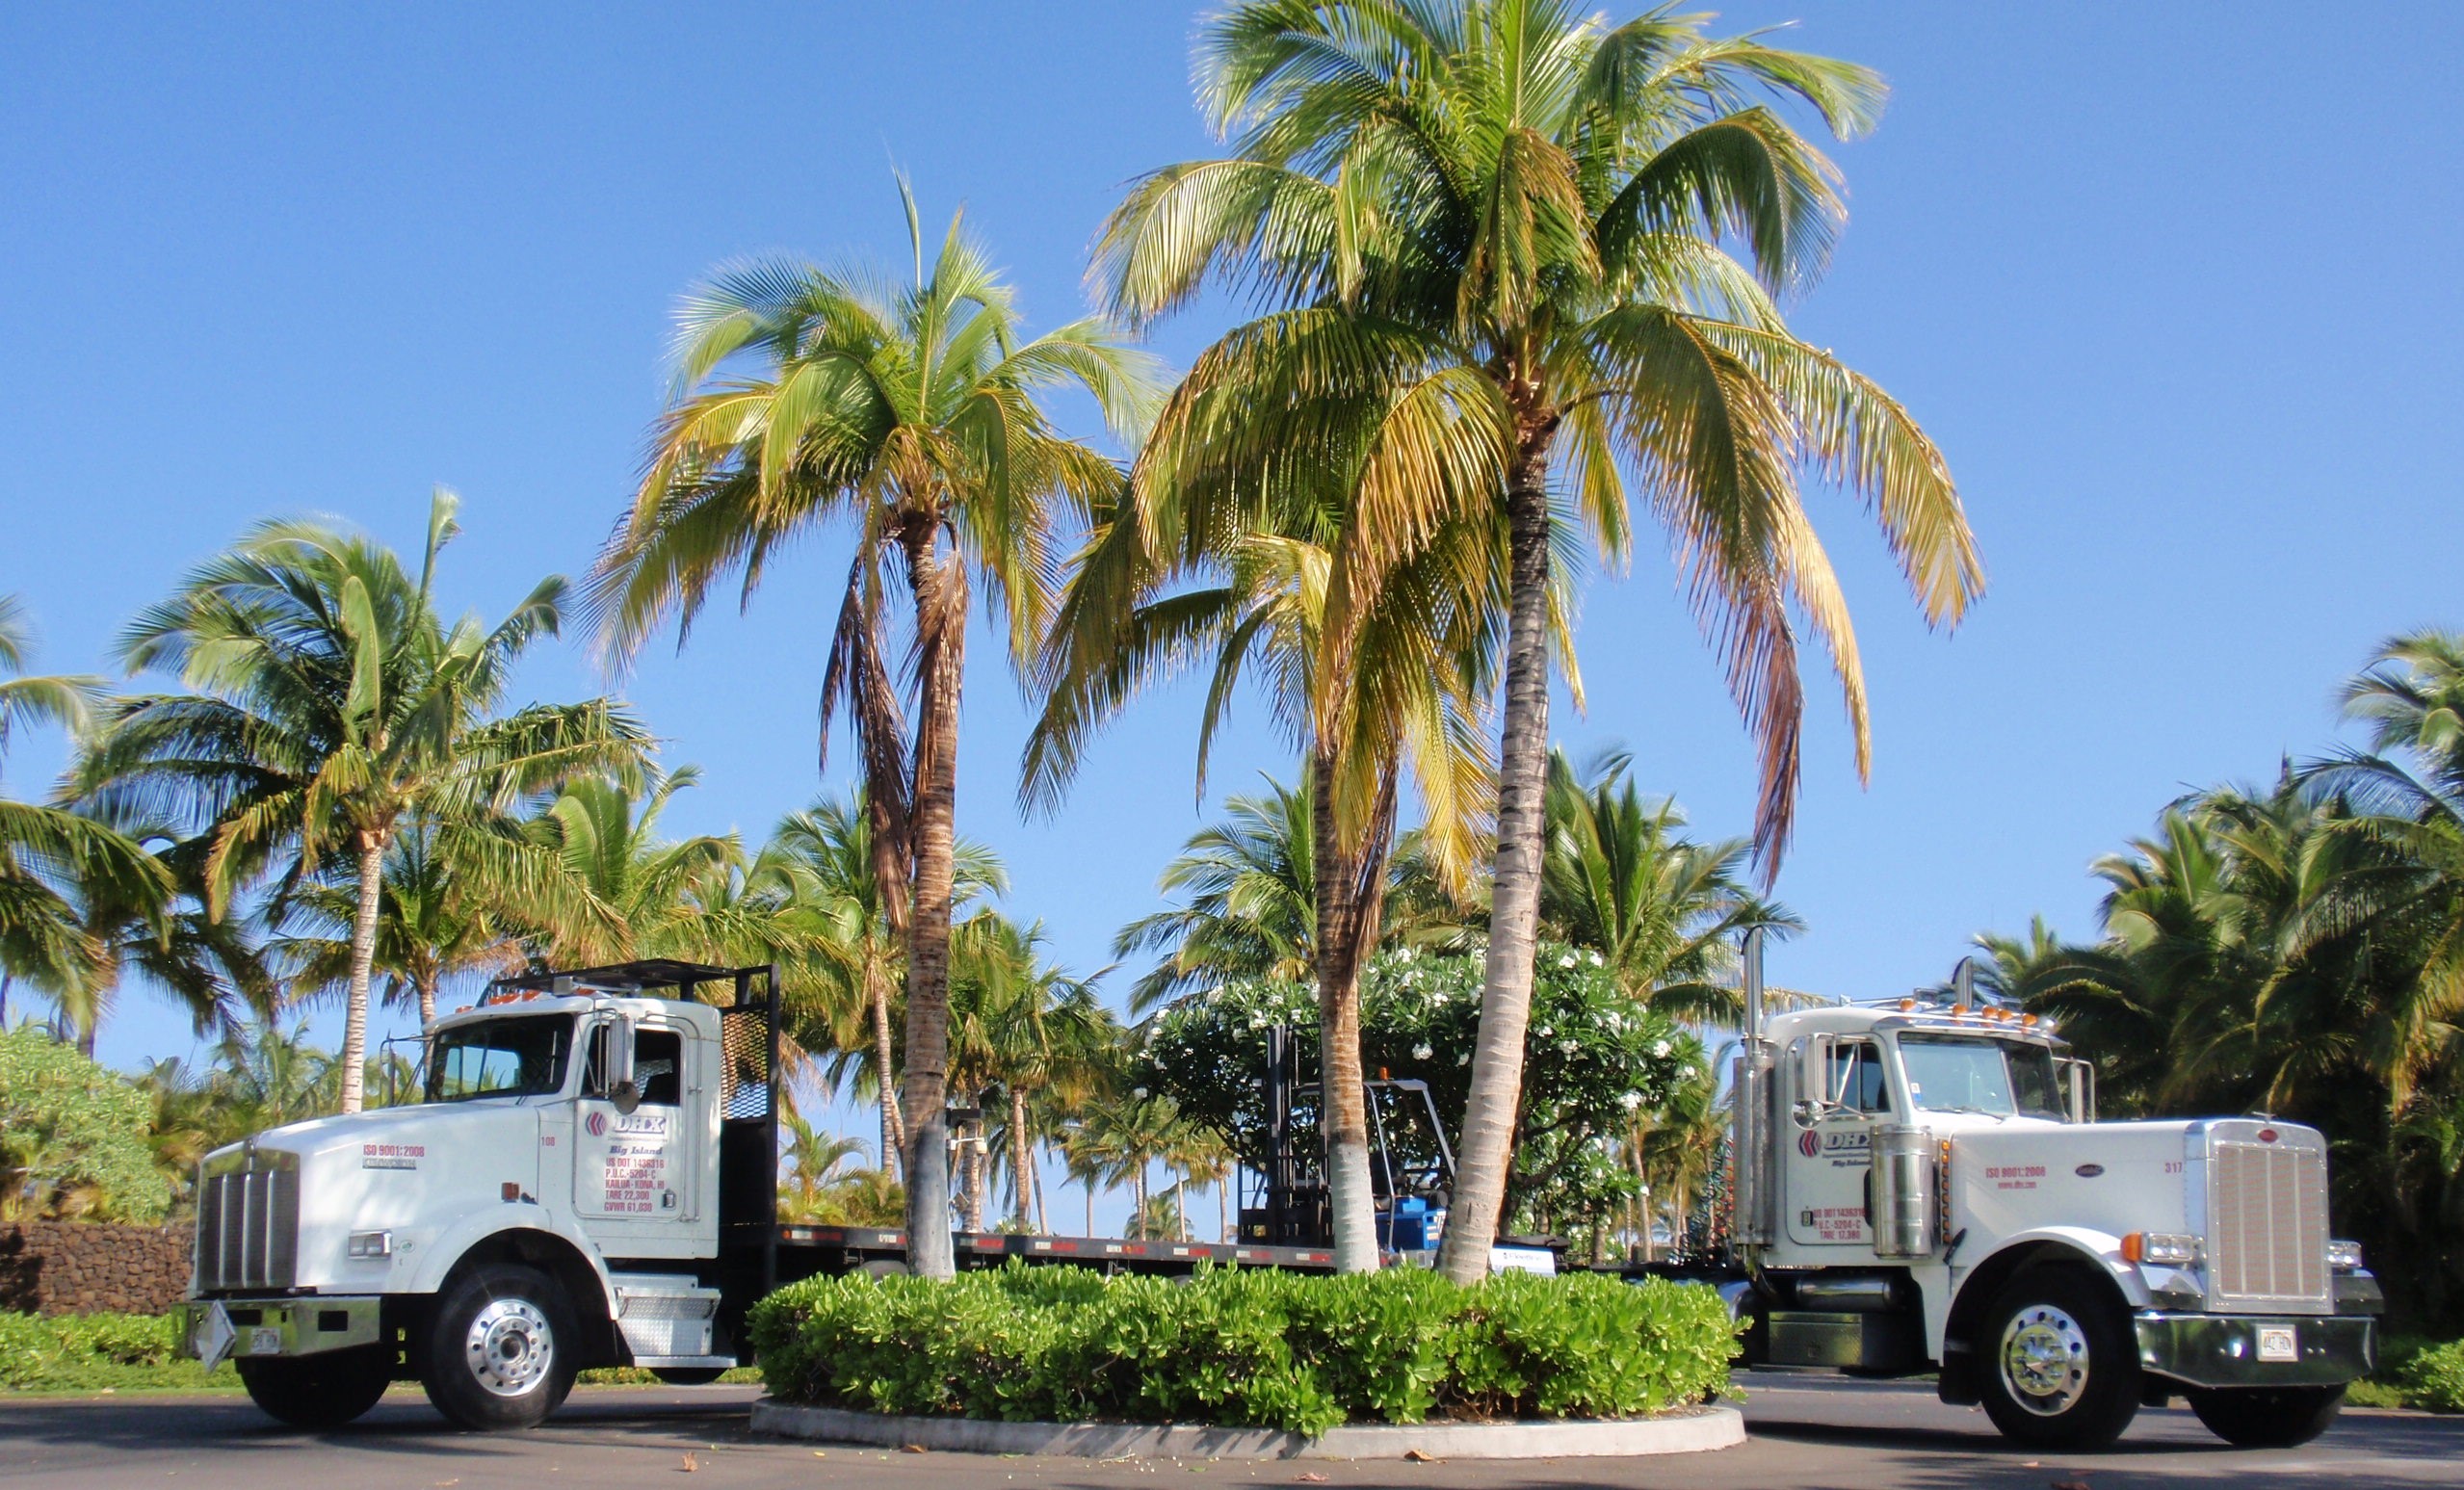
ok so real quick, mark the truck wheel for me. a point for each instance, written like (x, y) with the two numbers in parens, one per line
(2267, 1417)
(2060, 1367)
(688, 1375)
(500, 1353)
(323, 1391)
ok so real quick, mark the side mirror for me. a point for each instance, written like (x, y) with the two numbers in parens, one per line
(622, 1090)
(1815, 1099)
(2079, 1090)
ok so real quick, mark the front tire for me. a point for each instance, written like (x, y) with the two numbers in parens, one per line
(2267, 1417)
(2060, 1364)
(501, 1351)
(318, 1391)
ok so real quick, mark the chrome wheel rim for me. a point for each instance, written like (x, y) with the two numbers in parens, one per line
(509, 1347)
(2044, 1360)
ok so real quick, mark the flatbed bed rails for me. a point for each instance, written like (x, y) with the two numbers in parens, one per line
(805, 1249)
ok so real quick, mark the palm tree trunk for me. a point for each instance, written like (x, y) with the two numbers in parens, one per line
(1043, 1217)
(1022, 1159)
(1090, 1205)
(877, 993)
(1137, 1201)
(1523, 765)
(427, 987)
(1348, 886)
(363, 956)
(941, 618)
(1181, 1207)
(1222, 1209)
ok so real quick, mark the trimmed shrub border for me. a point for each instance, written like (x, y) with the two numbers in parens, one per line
(1681, 1431)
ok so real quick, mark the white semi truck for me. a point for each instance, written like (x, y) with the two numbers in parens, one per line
(591, 1179)
(1922, 1185)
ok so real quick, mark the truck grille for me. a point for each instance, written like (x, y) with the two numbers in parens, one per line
(247, 1225)
(2268, 1225)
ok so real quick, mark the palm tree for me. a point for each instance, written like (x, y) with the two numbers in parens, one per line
(329, 705)
(51, 858)
(1118, 1142)
(1028, 1027)
(1520, 214)
(436, 920)
(644, 890)
(217, 970)
(813, 1160)
(1248, 905)
(823, 857)
(912, 413)
(1663, 910)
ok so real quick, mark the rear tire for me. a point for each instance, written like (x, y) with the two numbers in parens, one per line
(317, 1392)
(2058, 1363)
(500, 1352)
(2267, 1417)
(688, 1375)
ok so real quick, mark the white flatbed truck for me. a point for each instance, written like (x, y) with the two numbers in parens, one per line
(591, 1180)
(1923, 1186)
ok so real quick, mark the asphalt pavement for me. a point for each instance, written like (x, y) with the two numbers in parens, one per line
(1807, 1431)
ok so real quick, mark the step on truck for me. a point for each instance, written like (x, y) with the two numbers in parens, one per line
(1923, 1185)
(588, 1179)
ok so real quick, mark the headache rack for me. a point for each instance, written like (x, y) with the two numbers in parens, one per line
(749, 1091)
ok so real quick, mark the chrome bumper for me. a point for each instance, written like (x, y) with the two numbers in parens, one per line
(212, 1329)
(2258, 1351)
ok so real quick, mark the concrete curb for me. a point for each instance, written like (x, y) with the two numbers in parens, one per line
(1687, 1430)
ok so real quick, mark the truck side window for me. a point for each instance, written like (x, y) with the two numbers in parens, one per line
(658, 1064)
(1857, 1073)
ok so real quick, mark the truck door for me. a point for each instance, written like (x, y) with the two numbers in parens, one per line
(1830, 1159)
(636, 1170)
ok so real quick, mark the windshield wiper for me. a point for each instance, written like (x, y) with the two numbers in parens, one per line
(1979, 1111)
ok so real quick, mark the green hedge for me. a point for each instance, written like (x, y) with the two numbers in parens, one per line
(2434, 1377)
(1242, 1348)
(86, 1352)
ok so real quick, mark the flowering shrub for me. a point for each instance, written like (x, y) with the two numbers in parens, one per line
(1593, 1062)
(1241, 1347)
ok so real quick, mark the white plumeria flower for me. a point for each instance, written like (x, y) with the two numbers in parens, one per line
(1566, 961)
(1422, 1053)
(1660, 1047)
(1630, 1101)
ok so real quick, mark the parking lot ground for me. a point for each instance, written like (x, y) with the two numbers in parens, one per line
(1808, 1430)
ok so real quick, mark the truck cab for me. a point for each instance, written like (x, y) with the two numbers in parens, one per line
(1923, 1186)
(586, 1179)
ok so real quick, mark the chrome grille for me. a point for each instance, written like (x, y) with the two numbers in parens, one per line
(248, 1223)
(2268, 1225)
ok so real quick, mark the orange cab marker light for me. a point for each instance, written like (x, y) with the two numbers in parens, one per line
(1907, 1003)
(2135, 1247)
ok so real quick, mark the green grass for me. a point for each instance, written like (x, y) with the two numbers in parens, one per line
(82, 1355)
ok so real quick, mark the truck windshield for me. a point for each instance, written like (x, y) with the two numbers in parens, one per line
(503, 1058)
(1950, 1073)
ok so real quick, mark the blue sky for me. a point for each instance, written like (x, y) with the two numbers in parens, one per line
(2172, 287)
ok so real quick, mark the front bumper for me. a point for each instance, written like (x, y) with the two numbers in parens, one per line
(214, 1328)
(2257, 1350)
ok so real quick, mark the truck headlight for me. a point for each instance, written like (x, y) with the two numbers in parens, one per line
(2171, 1249)
(372, 1243)
(2343, 1255)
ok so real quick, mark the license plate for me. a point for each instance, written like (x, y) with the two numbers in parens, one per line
(269, 1342)
(2279, 1345)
